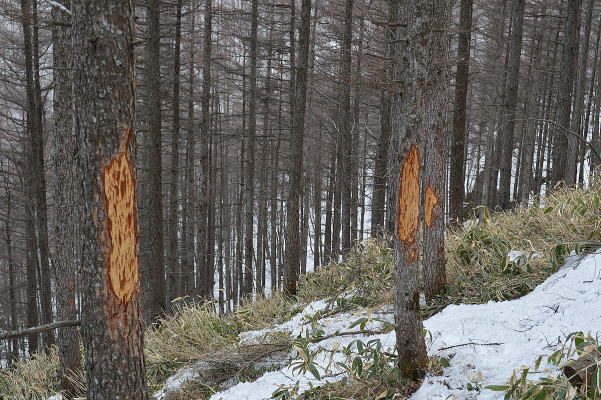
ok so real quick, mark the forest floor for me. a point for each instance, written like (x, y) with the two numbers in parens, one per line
(484, 343)
(514, 293)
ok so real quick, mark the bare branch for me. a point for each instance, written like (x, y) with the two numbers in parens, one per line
(58, 5)
(38, 329)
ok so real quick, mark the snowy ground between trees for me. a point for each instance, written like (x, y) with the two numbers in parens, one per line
(484, 343)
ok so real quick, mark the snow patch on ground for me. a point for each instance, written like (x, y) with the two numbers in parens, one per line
(504, 336)
(517, 255)
(513, 333)
(296, 325)
(179, 379)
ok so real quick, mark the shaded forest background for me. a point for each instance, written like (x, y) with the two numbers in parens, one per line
(225, 160)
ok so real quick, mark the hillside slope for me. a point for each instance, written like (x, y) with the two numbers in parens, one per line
(485, 343)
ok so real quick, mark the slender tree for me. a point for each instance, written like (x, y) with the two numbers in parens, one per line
(511, 98)
(293, 242)
(67, 207)
(436, 149)
(172, 248)
(154, 202)
(564, 99)
(457, 177)
(416, 109)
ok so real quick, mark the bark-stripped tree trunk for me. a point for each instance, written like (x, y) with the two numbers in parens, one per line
(415, 38)
(112, 331)
(293, 240)
(66, 203)
(457, 178)
(435, 131)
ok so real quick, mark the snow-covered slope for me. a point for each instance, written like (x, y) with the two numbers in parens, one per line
(525, 328)
(503, 336)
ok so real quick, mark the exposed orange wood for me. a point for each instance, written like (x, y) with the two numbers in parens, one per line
(120, 201)
(432, 201)
(408, 198)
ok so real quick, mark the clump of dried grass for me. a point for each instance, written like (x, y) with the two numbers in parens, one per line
(478, 267)
(35, 378)
(186, 334)
(365, 276)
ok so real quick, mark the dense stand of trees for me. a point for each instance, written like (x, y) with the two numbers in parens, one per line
(266, 138)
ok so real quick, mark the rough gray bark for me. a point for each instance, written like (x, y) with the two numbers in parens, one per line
(511, 99)
(154, 201)
(409, 125)
(67, 207)
(435, 124)
(12, 298)
(564, 100)
(45, 284)
(457, 177)
(381, 168)
(346, 150)
(250, 161)
(36, 185)
(293, 239)
(489, 193)
(31, 266)
(186, 278)
(575, 123)
(173, 225)
(530, 127)
(112, 331)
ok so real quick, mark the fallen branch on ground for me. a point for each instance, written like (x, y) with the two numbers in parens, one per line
(351, 333)
(470, 344)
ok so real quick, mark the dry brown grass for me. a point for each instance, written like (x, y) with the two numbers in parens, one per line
(32, 379)
(477, 265)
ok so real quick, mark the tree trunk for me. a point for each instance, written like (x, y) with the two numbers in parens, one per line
(381, 168)
(12, 298)
(575, 122)
(104, 124)
(511, 99)
(173, 228)
(344, 157)
(457, 179)
(250, 161)
(435, 135)
(187, 282)
(154, 201)
(67, 208)
(410, 122)
(293, 242)
(569, 59)
(36, 158)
